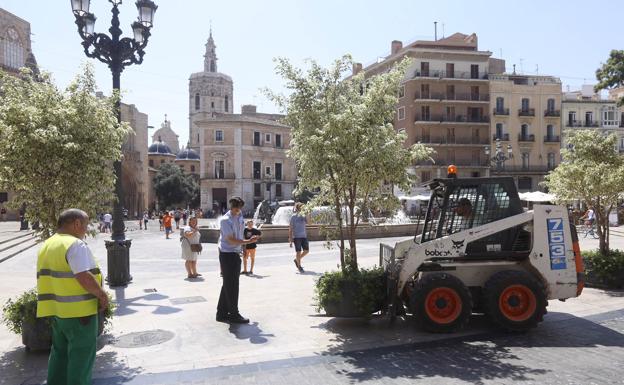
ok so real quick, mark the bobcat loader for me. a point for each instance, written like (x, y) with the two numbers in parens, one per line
(480, 251)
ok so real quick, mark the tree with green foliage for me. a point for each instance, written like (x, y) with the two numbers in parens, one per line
(344, 143)
(592, 171)
(56, 146)
(174, 187)
(611, 74)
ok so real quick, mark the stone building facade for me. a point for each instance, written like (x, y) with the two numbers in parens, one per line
(526, 114)
(444, 101)
(210, 92)
(135, 163)
(15, 53)
(585, 109)
(244, 155)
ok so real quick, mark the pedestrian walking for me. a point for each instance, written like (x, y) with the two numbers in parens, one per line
(249, 252)
(297, 234)
(107, 222)
(69, 288)
(167, 219)
(230, 242)
(145, 219)
(185, 214)
(176, 217)
(191, 248)
(160, 220)
(3, 212)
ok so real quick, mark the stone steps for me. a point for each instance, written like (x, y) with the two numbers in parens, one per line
(13, 246)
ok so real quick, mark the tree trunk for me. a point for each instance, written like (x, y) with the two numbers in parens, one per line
(340, 230)
(602, 226)
(352, 235)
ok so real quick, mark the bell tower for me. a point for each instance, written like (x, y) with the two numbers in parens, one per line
(210, 58)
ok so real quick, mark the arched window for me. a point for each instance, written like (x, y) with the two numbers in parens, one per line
(227, 103)
(13, 50)
(197, 101)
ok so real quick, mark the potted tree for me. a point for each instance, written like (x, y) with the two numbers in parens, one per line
(347, 149)
(20, 317)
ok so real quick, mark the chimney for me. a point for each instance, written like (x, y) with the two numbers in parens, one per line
(248, 109)
(396, 46)
(357, 68)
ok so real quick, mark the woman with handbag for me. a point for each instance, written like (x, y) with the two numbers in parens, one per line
(191, 247)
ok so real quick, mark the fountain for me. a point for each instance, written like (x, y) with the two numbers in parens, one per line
(321, 219)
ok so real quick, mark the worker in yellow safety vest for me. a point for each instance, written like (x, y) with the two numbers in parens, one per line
(69, 288)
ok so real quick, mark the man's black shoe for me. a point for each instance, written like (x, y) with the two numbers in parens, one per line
(238, 319)
(222, 317)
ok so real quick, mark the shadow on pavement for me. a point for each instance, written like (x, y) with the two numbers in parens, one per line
(251, 331)
(20, 366)
(125, 305)
(486, 355)
(309, 272)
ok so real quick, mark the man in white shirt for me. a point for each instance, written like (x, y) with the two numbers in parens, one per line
(107, 222)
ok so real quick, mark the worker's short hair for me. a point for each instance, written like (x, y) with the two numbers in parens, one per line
(236, 202)
(70, 216)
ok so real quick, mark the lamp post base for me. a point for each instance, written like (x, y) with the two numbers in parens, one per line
(118, 262)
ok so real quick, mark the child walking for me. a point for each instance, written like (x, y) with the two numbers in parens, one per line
(249, 252)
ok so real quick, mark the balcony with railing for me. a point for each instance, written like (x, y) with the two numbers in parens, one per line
(219, 175)
(522, 169)
(460, 75)
(526, 112)
(503, 137)
(552, 113)
(580, 123)
(457, 162)
(440, 118)
(526, 138)
(452, 140)
(552, 139)
(461, 97)
(500, 111)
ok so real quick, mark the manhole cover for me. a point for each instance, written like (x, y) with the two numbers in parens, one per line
(183, 300)
(142, 339)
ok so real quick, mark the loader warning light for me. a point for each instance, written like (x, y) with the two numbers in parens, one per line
(451, 171)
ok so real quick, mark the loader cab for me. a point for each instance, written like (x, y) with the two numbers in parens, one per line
(458, 204)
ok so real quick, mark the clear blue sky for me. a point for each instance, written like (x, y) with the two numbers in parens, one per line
(568, 39)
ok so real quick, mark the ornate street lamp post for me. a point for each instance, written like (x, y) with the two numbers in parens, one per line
(499, 157)
(117, 53)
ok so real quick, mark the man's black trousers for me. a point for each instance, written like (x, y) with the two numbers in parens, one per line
(230, 268)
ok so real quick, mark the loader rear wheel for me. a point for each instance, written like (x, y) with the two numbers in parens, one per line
(514, 300)
(441, 303)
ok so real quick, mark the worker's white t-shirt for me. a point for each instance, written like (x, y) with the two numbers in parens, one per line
(108, 218)
(79, 257)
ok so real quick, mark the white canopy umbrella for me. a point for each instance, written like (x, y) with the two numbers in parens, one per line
(537, 196)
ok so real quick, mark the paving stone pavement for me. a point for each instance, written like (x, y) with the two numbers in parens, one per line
(565, 350)
(580, 342)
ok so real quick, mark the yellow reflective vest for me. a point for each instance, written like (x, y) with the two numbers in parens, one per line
(59, 292)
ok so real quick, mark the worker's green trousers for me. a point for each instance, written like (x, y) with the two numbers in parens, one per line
(73, 350)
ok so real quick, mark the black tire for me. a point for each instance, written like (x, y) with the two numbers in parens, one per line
(448, 308)
(514, 300)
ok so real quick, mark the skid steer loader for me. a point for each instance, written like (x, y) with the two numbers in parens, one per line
(480, 251)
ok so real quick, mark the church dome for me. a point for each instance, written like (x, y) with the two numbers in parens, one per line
(187, 154)
(159, 147)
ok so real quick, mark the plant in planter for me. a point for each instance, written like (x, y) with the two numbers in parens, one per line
(346, 147)
(20, 317)
(605, 270)
(351, 293)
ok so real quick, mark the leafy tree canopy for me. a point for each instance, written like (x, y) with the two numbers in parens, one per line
(173, 187)
(343, 139)
(56, 146)
(592, 171)
(611, 74)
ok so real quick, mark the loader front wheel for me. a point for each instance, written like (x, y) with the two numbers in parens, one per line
(514, 300)
(441, 303)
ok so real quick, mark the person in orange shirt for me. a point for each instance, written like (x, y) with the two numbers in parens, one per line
(167, 222)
